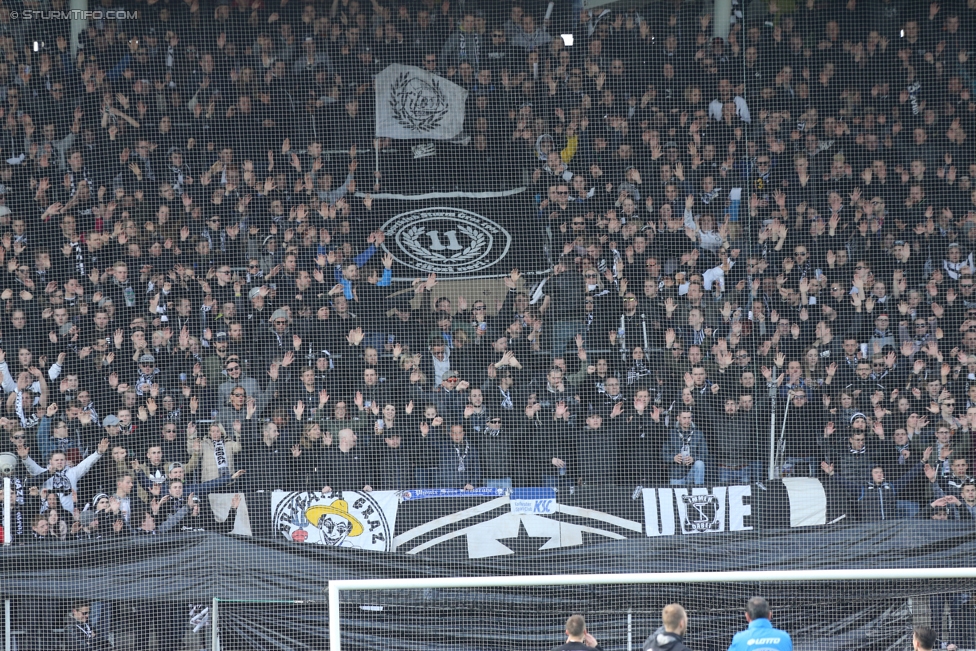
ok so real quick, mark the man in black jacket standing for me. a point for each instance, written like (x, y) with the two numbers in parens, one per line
(78, 633)
(577, 637)
(669, 636)
(269, 459)
(351, 469)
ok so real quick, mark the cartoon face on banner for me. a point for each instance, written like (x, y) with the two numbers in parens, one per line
(445, 240)
(349, 519)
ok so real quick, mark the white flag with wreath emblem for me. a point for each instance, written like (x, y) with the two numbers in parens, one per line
(413, 103)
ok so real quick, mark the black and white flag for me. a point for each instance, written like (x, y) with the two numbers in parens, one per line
(413, 103)
(460, 235)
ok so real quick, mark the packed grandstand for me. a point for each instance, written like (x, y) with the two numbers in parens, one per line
(336, 251)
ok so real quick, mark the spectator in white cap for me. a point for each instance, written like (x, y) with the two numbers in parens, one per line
(278, 339)
(257, 312)
(148, 375)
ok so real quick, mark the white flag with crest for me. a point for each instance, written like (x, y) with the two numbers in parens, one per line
(413, 103)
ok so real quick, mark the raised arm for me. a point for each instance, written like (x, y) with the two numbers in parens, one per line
(5, 378)
(86, 464)
(174, 520)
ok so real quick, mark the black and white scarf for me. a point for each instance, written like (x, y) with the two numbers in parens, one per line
(899, 449)
(26, 420)
(220, 456)
(708, 197)
(77, 177)
(506, 402)
(145, 378)
(461, 457)
(637, 371)
(86, 629)
(147, 169)
(463, 53)
(79, 256)
(60, 483)
(179, 176)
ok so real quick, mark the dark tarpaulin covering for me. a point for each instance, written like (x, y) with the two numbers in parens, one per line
(193, 568)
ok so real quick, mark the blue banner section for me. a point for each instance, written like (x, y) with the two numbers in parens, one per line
(427, 493)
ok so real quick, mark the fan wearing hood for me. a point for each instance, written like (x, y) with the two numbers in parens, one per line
(546, 146)
(669, 636)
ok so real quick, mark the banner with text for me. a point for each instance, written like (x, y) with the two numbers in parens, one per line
(489, 522)
(343, 519)
(679, 510)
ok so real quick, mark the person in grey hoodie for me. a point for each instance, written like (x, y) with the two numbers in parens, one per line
(669, 636)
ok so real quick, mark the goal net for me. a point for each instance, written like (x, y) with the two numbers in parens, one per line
(823, 610)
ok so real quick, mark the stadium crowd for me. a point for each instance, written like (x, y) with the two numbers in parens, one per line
(197, 299)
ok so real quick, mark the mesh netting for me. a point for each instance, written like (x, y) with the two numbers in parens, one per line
(822, 615)
(295, 290)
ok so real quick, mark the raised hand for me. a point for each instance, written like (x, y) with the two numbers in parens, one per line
(355, 336)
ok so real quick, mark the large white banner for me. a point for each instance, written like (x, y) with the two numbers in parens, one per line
(413, 103)
(521, 521)
(350, 519)
(673, 511)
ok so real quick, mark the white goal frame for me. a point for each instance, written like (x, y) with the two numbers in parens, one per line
(337, 587)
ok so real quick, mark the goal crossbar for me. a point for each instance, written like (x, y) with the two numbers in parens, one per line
(747, 576)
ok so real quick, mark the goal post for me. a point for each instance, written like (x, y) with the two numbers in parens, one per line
(920, 576)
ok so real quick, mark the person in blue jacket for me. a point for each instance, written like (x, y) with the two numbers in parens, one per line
(760, 635)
